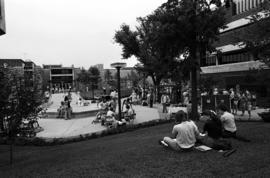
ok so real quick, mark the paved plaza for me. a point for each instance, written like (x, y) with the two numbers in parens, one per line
(61, 128)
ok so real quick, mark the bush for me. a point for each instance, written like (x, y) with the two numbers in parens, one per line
(265, 116)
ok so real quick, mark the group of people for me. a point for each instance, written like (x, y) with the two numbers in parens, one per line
(243, 101)
(239, 100)
(57, 89)
(65, 109)
(107, 114)
(217, 128)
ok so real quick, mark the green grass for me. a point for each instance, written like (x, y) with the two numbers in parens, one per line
(137, 154)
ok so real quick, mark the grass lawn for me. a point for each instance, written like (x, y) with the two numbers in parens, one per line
(137, 154)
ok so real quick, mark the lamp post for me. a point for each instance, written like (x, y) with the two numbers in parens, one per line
(144, 78)
(118, 66)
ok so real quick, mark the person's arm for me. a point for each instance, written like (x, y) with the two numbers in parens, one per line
(196, 130)
(174, 132)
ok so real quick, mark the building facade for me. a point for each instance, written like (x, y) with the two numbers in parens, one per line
(58, 77)
(2, 18)
(234, 65)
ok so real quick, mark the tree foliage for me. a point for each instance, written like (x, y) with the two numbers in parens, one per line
(89, 77)
(19, 97)
(94, 77)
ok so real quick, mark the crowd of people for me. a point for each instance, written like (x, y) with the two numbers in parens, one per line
(217, 129)
(241, 101)
(107, 112)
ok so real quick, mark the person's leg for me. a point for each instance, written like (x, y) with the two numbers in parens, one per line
(228, 134)
(208, 141)
(163, 107)
(172, 143)
(249, 114)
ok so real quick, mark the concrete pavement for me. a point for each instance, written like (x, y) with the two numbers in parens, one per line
(60, 128)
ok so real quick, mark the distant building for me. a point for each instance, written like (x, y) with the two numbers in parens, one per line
(2, 18)
(59, 77)
(234, 64)
(23, 68)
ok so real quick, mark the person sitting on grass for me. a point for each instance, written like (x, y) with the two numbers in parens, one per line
(184, 133)
(213, 132)
(228, 124)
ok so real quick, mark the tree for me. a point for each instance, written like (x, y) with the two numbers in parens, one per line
(22, 98)
(107, 75)
(156, 62)
(134, 78)
(256, 37)
(189, 27)
(4, 94)
(94, 78)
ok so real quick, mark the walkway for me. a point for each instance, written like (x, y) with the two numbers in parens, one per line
(60, 128)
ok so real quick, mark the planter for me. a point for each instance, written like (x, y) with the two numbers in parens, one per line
(265, 116)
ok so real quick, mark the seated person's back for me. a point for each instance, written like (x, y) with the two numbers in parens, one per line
(110, 112)
(186, 133)
(213, 126)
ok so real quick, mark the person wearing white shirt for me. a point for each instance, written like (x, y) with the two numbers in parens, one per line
(184, 133)
(228, 123)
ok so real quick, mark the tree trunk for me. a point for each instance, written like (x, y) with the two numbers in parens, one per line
(194, 83)
(93, 91)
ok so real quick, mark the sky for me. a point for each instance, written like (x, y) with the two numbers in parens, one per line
(69, 32)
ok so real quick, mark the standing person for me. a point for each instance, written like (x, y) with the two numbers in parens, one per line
(184, 133)
(253, 99)
(228, 123)
(232, 100)
(236, 103)
(68, 111)
(151, 98)
(185, 98)
(243, 103)
(249, 108)
(164, 101)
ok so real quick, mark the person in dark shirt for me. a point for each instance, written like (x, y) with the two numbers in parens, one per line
(213, 132)
(213, 126)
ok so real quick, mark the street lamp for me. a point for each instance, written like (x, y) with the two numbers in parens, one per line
(118, 66)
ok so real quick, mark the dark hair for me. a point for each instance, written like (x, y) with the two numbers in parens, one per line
(180, 116)
(211, 114)
(222, 107)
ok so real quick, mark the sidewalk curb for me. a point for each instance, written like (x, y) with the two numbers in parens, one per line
(43, 141)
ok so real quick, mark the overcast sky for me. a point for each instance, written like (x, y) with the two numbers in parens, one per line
(67, 32)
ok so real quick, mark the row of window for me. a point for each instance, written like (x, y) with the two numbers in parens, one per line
(61, 71)
(226, 59)
(245, 5)
(242, 57)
